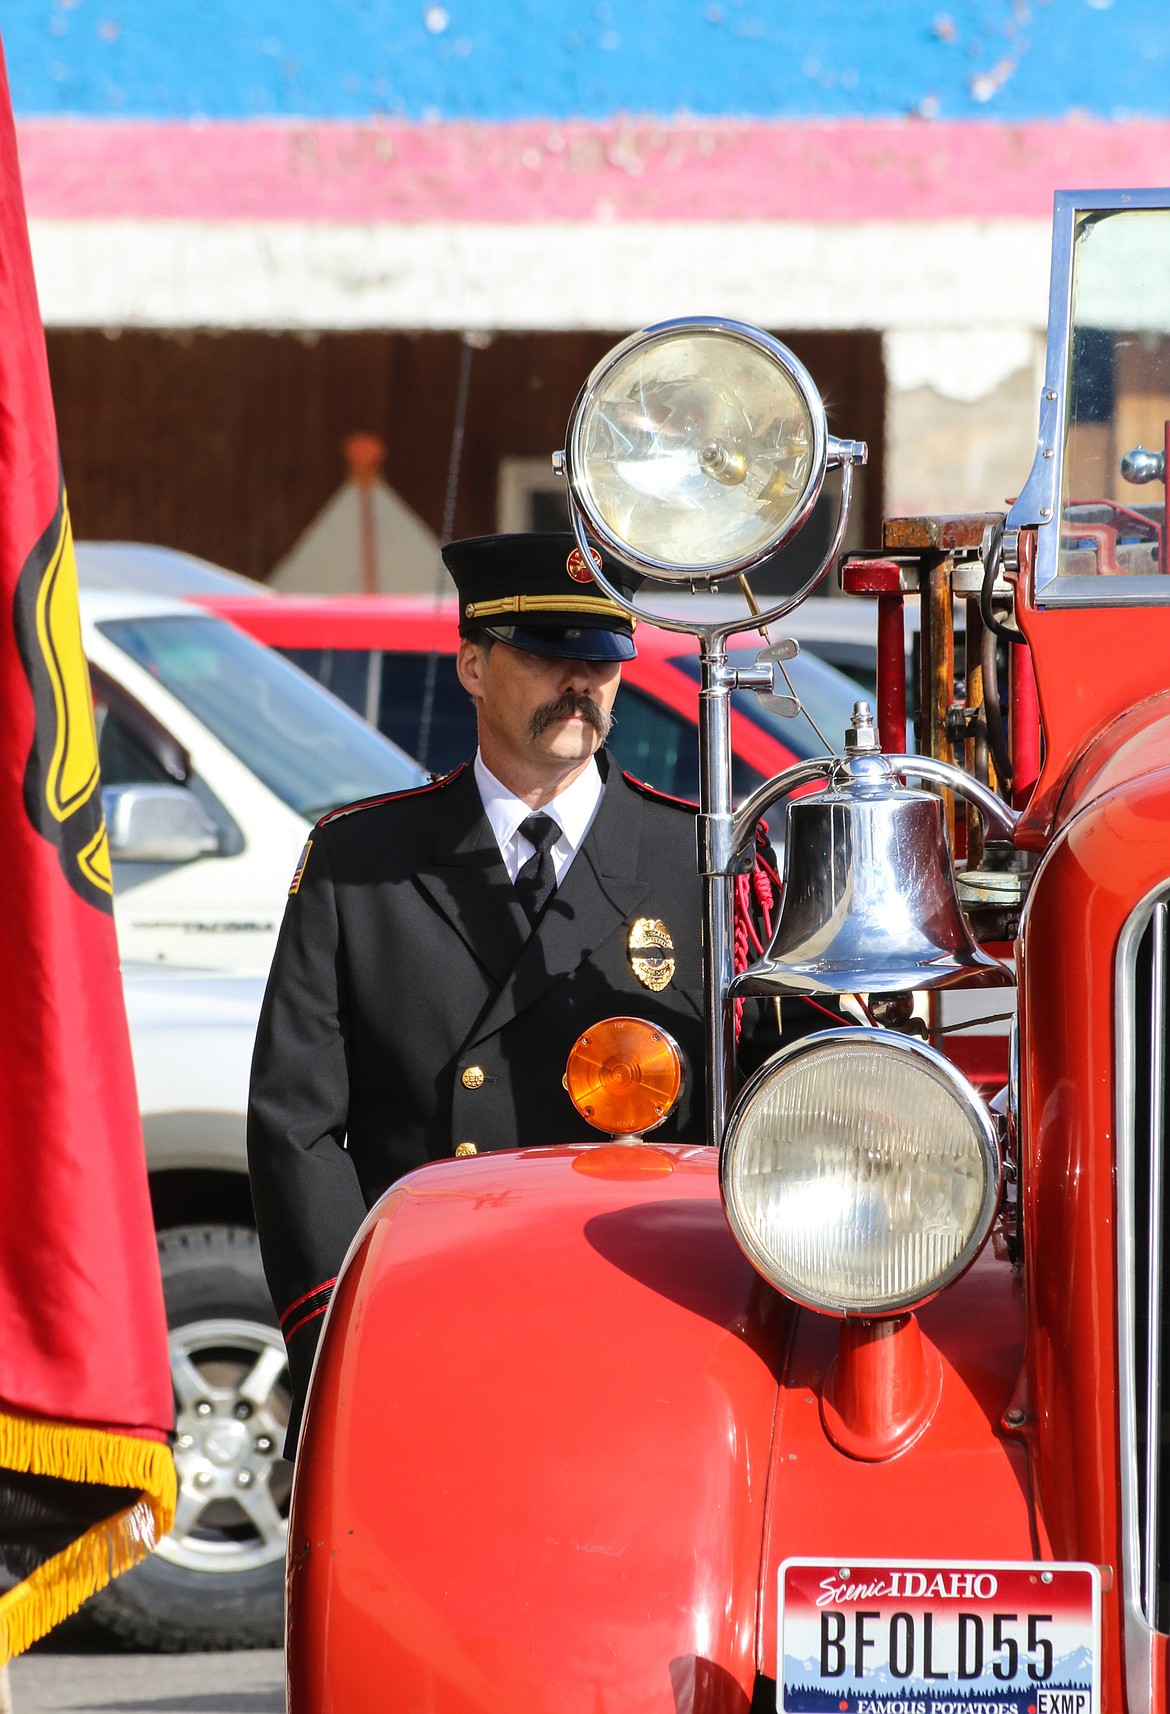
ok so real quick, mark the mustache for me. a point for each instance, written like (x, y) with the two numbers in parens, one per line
(565, 707)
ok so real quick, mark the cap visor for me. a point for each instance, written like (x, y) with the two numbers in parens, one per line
(579, 644)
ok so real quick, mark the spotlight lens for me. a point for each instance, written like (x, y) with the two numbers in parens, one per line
(697, 451)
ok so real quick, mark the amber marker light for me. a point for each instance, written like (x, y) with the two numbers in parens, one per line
(625, 1076)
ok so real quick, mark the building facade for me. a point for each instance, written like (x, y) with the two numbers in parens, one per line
(260, 226)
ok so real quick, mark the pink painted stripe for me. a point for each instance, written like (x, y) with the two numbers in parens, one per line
(524, 172)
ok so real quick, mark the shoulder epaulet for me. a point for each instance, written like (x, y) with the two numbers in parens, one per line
(434, 785)
(652, 792)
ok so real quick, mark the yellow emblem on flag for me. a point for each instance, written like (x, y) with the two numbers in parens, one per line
(62, 786)
(73, 769)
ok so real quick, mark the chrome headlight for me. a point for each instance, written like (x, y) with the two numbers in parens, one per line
(860, 1172)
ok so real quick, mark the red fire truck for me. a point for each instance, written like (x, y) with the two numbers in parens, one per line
(858, 1407)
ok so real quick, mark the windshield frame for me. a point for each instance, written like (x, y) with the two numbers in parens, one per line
(1039, 503)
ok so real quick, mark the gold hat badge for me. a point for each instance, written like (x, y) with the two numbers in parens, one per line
(651, 952)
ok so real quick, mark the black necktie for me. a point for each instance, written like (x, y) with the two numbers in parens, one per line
(536, 882)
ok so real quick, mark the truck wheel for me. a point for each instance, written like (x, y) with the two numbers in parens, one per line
(217, 1581)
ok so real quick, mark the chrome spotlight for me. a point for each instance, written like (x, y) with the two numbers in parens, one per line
(697, 448)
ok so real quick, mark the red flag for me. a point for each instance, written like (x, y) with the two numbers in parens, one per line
(87, 1483)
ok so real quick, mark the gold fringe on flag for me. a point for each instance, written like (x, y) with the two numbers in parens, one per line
(59, 1586)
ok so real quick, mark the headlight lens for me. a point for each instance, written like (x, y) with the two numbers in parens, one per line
(860, 1172)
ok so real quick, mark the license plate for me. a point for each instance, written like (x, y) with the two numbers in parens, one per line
(896, 1636)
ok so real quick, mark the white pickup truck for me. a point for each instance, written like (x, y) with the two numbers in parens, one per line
(216, 758)
(217, 1581)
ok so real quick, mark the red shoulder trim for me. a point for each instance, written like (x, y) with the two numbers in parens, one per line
(311, 1316)
(326, 1285)
(652, 792)
(392, 797)
(311, 1304)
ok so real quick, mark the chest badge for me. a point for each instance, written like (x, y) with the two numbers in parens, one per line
(651, 953)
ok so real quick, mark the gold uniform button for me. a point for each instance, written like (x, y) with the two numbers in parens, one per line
(472, 1077)
(463, 1150)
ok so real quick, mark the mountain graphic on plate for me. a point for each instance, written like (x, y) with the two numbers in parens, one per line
(1069, 1672)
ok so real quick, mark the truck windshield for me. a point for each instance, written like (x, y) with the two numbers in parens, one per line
(306, 747)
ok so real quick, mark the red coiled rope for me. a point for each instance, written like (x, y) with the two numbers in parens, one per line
(757, 891)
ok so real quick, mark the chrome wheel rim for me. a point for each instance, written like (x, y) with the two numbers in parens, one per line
(231, 1406)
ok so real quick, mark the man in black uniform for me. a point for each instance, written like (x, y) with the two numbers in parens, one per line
(442, 949)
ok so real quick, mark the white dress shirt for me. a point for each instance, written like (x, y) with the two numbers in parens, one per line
(573, 812)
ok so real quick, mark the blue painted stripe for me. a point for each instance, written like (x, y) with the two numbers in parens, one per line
(498, 60)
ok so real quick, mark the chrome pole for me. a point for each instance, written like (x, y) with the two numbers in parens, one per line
(716, 857)
(719, 859)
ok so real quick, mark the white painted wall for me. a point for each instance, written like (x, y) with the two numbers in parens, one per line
(961, 305)
(881, 275)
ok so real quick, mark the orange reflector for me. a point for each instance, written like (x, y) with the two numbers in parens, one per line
(624, 1075)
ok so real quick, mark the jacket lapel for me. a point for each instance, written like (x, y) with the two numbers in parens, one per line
(600, 893)
(467, 880)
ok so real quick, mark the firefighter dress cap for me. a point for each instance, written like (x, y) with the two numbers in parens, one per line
(538, 593)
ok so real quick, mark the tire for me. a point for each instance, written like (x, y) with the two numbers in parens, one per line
(217, 1581)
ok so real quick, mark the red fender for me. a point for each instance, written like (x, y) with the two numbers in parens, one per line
(1111, 852)
(533, 1468)
(548, 1462)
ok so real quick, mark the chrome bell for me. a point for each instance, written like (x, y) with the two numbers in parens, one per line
(870, 903)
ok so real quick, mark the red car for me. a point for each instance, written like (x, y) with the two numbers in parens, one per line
(392, 658)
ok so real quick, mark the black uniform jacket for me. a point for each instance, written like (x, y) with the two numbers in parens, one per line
(411, 1008)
